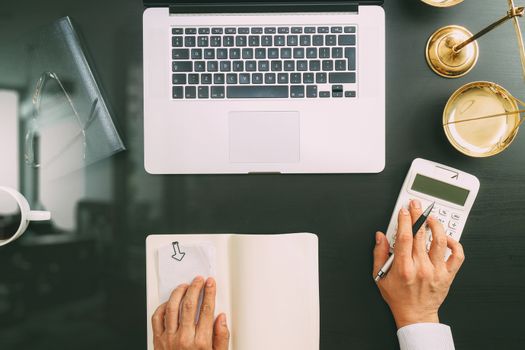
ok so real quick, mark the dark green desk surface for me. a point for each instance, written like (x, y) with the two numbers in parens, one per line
(103, 305)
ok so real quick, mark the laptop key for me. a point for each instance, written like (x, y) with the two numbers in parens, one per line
(203, 92)
(175, 31)
(216, 30)
(180, 54)
(349, 29)
(212, 66)
(311, 52)
(217, 92)
(298, 52)
(218, 78)
(269, 78)
(280, 40)
(315, 65)
(318, 40)
(244, 30)
(302, 65)
(309, 29)
(292, 40)
(177, 41)
(346, 40)
(215, 41)
(200, 66)
(189, 41)
(228, 41)
(320, 78)
(190, 92)
(182, 66)
(190, 31)
(308, 78)
(193, 78)
(254, 40)
(225, 66)
(230, 31)
(336, 29)
(222, 54)
(266, 40)
(297, 91)
(206, 78)
(231, 78)
(289, 66)
(350, 94)
(209, 54)
(260, 53)
(342, 78)
(244, 78)
(257, 30)
(337, 52)
(295, 78)
(324, 94)
(235, 54)
(269, 30)
(196, 54)
(241, 40)
(257, 91)
(238, 66)
(283, 30)
(331, 40)
(202, 41)
(337, 90)
(324, 52)
(204, 30)
(251, 66)
(350, 56)
(286, 53)
(277, 66)
(264, 66)
(340, 65)
(178, 92)
(323, 30)
(305, 40)
(282, 78)
(178, 79)
(328, 65)
(257, 78)
(247, 53)
(297, 30)
(311, 91)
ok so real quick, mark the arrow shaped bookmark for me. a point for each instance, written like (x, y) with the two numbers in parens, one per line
(178, 254)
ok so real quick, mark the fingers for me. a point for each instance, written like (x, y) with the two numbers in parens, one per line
(419, 249)
(157, 320)
(458, 255)
(189, 306)
(206, 318)
(221, 334)
(380, 252)
(439, 242)
(403, 246)
(171, 317)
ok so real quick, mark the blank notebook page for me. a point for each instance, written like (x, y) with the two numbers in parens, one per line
(275, 292)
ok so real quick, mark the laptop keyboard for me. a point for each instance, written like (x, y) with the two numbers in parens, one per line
(264, 62)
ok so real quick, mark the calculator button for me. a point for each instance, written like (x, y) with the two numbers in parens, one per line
(455, 216)
(451, 233)
(453, 224)
(443, 212)
(442, 220)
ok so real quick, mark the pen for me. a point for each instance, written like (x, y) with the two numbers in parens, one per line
(417, 225)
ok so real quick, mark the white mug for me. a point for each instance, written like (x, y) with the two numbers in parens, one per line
(25, 213)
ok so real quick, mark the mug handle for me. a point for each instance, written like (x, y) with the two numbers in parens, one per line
(37, 215)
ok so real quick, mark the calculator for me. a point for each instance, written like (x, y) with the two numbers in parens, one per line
(453, 192)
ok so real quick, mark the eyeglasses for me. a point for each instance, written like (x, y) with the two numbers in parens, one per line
(31, 151)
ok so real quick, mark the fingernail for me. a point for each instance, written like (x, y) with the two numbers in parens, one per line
(416, 204)
(210, 282)
(198, 279)
(379, 238)
(404, 211)
(223, 320)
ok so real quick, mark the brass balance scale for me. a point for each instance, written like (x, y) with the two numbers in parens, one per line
(481, 119)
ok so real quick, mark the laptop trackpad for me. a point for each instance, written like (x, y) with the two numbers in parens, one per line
(264, 137)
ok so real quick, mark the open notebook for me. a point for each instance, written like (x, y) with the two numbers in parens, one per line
(268, 285)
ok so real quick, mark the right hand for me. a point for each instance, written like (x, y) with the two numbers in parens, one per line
(173, 322)
(418, 282)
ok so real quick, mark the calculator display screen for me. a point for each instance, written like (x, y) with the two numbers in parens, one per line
(440, 189)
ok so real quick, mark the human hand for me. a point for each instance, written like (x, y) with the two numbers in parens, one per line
(418, 282)
(174, 325)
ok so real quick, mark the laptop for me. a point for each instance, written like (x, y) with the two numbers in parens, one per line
(239, 87)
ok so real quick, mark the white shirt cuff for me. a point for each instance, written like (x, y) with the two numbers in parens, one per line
(425, 336)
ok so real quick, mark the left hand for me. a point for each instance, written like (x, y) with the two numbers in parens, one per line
(173, 322)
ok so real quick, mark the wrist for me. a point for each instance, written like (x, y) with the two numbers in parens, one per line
(407, 320)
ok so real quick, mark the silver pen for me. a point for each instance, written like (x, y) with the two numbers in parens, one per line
(417, 225)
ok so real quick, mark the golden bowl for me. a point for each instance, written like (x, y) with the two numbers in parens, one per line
(470, 124)
(442, 3)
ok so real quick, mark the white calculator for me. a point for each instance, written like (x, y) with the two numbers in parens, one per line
(453, 192)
